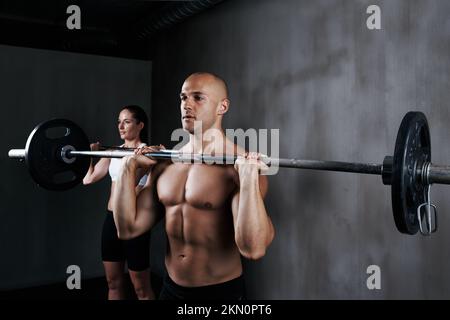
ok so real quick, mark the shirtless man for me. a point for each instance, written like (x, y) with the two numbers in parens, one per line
(214, 213)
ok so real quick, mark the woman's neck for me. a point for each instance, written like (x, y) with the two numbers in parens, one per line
(132, 143)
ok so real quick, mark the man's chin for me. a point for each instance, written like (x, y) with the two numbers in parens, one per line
(189, 129)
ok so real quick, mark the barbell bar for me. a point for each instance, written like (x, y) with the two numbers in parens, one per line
(429, 173)
(364, 168)
(60, 163)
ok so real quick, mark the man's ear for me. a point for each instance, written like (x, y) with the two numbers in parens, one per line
(224, 105)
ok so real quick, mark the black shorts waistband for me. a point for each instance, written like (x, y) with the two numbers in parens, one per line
(230, 290)
(235, 284)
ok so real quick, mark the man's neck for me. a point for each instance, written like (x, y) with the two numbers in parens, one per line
(211, 142)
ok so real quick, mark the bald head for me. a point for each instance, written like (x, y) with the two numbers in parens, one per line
(214, 84)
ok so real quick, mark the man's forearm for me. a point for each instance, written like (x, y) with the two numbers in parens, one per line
(254, 231)
(124, 200)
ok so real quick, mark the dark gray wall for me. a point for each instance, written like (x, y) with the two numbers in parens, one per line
(336, 90)
(43, 232)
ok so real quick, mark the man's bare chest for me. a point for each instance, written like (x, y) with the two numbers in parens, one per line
(199, 185)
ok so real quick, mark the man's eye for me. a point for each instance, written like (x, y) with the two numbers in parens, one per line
(198, 98)
(183, 98)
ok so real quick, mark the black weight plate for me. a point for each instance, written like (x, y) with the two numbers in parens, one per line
(43, 154)
(412, 149)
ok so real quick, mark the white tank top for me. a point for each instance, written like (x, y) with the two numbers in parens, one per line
(114, 167)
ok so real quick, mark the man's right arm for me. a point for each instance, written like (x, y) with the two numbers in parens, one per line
(134, 215)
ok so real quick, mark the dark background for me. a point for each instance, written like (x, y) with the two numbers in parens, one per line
(336, 91)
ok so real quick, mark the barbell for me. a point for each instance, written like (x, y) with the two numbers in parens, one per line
(60, 162)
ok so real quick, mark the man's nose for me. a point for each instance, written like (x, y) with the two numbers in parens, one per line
(187, 104)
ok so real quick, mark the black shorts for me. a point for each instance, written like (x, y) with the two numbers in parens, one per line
(230, 290)
(135, 251)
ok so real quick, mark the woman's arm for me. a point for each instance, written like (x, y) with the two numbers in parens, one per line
(97, 171)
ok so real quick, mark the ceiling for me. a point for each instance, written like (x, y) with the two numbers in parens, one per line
(122, 28)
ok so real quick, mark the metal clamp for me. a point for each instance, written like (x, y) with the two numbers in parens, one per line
(430, 215)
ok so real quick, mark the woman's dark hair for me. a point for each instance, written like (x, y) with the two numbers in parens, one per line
(140, 116)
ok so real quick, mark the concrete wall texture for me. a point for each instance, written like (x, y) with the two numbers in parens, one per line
(43, 232)
(337, 91)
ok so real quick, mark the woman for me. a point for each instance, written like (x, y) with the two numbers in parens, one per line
(132, 125)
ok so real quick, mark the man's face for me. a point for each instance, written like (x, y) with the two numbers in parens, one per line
(198, 102)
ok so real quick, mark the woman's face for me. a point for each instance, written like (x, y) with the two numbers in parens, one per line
(128, 127)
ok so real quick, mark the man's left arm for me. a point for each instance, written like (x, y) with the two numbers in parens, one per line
(253, 227)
